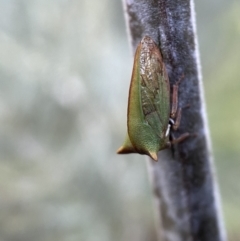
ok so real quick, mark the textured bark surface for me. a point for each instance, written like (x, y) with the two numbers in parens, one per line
(183, 179)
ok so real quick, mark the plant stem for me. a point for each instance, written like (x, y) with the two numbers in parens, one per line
(187, 197)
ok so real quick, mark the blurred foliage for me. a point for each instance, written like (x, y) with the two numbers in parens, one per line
(64, 75)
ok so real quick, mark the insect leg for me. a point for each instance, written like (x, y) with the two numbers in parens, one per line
(180, 138)
(177, 120)
(174, 106)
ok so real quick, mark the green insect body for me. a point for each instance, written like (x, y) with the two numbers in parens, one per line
(148, 104)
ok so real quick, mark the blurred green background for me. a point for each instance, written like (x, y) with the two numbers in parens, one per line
(65, 67)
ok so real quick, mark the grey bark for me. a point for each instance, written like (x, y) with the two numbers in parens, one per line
(187, 197)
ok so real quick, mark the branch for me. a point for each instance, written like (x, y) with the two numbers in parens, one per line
(188, 203)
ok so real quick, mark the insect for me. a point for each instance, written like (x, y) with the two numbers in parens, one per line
(150, 112)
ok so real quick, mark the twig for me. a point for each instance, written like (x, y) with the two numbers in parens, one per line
(187, 196)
